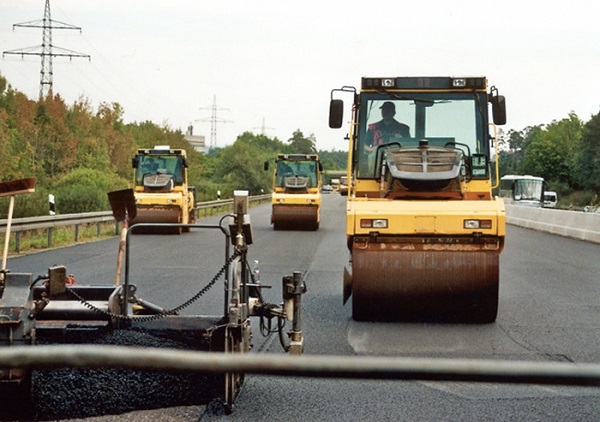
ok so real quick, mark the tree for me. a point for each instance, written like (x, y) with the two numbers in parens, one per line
(511, 150)
(334, 160)
(85, 190)
(587, 161)
(551, 152)
(119, 145)
(241, 168)
(263, 143)
(55, 145)
(301, 145)
(17, 135)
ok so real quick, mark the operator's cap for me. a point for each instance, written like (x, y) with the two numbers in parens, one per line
(388, 105)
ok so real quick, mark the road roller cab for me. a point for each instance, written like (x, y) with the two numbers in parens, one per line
(296, 196)
(162, 193)
(423, 228)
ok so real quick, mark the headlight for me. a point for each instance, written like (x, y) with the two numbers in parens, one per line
(477, 224)
(373, 223)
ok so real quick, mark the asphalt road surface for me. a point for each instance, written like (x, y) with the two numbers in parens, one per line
(549, 311)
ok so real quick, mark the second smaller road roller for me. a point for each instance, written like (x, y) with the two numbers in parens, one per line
(296, 192)
(162, 193)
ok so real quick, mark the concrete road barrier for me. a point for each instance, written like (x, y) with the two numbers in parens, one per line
(575, 224)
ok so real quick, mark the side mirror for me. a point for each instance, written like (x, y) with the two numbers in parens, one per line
(134, 162)
(499, 109)
(266, 165)
(336, 113)
(320, 167)
(185, 163)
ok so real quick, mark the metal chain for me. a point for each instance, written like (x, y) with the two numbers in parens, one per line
(239, 251)
(94, 308)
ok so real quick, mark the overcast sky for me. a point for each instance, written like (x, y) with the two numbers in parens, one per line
(272, 64)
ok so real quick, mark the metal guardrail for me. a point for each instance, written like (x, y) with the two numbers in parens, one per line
(317, 366)
(210, 207)
(49, 222)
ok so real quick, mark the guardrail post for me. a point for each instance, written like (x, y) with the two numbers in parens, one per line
(76, 232)
(18, 241)
(98, 228)
(49, 237)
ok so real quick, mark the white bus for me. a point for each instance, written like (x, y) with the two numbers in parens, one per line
(522, 190)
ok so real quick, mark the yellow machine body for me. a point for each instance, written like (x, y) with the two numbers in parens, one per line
(161, 191)
(296, 198)
(423, 229)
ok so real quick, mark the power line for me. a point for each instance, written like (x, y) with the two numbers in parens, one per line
(48, 51)
(263, 128)
(213, 119)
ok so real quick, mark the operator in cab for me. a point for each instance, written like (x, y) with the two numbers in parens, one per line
(387, 130)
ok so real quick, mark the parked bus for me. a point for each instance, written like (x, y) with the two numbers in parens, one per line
(522, 190)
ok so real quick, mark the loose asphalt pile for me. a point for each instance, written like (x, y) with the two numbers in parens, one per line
(77, 393)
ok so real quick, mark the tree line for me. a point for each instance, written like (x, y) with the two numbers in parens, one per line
(78, 153)
(566, 153)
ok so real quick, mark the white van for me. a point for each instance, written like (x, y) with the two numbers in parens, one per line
(550, 199)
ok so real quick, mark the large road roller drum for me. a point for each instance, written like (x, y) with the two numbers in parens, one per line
(295, 217)
(391, 284)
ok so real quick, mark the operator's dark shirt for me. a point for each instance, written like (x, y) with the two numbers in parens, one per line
(380, 133)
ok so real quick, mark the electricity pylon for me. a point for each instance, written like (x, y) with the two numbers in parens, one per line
(263, 128)
(213, 119)
(48, 51)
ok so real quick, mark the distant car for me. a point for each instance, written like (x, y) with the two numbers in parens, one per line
(550, 199)
(327, 189)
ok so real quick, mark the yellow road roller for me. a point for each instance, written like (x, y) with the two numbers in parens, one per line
(161, 189)
(296, 199)
(423, 229)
